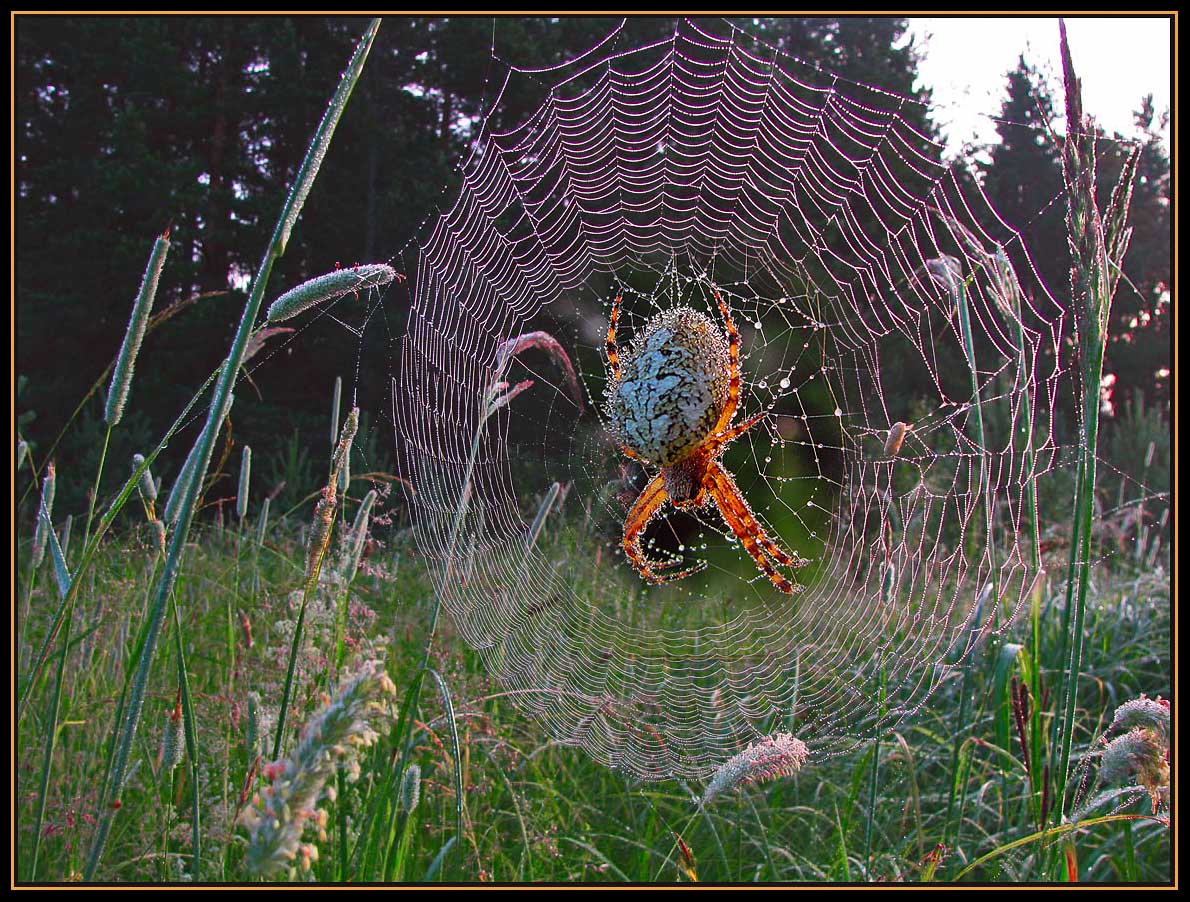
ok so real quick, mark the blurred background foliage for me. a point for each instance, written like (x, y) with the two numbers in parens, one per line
(127, 125)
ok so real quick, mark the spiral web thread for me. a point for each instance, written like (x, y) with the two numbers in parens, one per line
(869, 289)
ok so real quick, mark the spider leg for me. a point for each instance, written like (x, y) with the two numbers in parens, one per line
(719, 440)
(613, 357)
(643, 511)
(739, 517)
(628, 452)
(733, 367)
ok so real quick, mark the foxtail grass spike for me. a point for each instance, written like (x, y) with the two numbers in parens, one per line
(345, 475)
(252, 731)
(45, 514)
(346, 437)
(262, 522)
(173, 740)
(61, 571)
(324, 510)
(328, 287)
(117, 394)
(779, 755)
(411, 788)
(158, 528)
(335, 398)
(148, 488)
(245, 480)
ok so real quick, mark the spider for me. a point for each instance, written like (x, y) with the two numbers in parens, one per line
(671, 403)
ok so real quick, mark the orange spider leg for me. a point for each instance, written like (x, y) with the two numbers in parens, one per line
(739, 517)
(643, 511)
(771, 548)
(733, 367)
(628, 452)
(718, 441)
(613, 356)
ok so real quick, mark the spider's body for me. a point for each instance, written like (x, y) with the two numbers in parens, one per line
(672, 387)
(671, 402)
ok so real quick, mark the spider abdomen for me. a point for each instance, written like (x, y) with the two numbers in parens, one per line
(672, 388)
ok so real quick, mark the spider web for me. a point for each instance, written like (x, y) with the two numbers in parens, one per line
(871, 284)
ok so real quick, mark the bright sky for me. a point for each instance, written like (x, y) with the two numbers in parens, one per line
(966, 60)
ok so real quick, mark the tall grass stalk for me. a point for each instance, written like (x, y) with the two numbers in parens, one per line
(276, 248)
(245, 479)
(262, 525)
(51, 738)
(460, 795)
(191, 734)
(91, 547)
(325, 514)
(348, 569)
(1098, 242)
(950, 275)
(496, 394)
(42, 530)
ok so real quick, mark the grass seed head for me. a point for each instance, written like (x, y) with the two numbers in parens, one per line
(148, 488)
(117, 395)
(1139, 756)
(411, 788)
(1152, 713)
(779, 755)
(332, 739)
(173, 739)
(332, 285)
(45, 513)
(245, 477)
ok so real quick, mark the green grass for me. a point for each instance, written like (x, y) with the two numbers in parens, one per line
(532, 810)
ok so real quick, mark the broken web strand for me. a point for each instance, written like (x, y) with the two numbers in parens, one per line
(697, 161)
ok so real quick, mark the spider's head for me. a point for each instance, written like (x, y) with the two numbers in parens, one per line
(673, 387)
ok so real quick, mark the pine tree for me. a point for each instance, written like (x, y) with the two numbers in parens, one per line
(1139, 343)
(1023, 181)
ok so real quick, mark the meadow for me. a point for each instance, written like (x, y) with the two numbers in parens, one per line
(531, 809)
(214, 689)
